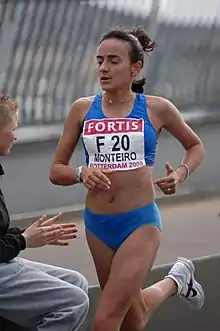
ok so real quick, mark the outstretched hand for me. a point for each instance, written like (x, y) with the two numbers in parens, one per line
(46, 232)
(69, 232)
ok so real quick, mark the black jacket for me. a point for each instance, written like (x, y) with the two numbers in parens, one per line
(11, 240)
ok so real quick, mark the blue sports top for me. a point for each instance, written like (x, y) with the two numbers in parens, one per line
(123, 143)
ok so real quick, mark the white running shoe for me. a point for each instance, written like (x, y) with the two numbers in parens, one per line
(189, 289)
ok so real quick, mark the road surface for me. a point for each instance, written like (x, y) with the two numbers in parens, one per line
(190, 230)
(27, 187)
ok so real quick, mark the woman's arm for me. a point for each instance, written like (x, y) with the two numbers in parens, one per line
(61, 173)
(174, 123)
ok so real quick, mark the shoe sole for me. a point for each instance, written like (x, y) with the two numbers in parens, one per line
(189, 264)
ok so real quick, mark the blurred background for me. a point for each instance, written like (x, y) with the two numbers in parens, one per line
(49, 50)
(48, 60)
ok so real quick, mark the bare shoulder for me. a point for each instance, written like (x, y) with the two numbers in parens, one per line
(163, 108)
(81, 106)
(172, 121)
(82, 103)
(157, 103)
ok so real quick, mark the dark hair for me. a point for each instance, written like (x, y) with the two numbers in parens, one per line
(140, 43)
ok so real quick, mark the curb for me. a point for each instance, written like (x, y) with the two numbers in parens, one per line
(48, 132)
(76, 211)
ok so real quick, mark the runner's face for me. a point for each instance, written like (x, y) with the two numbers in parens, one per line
(114, 65)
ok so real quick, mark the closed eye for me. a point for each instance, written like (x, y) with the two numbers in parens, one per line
(114, 59)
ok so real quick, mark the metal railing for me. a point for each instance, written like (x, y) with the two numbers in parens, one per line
(52, 53)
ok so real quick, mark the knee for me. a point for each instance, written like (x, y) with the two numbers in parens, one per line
(77, 279)
(83, 299)
(135, 325)
(140, 324)
(101, 322)
(69, 310)
(141, 321)
(106, 320)
(136, 322)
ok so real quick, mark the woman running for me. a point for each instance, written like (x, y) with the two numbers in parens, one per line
(120, 129)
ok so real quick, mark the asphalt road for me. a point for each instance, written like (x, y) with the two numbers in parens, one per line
(190, 230)
(27, 188)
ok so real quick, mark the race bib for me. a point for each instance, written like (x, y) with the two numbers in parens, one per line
(115, 143)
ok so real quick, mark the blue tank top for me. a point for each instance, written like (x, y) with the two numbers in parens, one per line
(119, 143)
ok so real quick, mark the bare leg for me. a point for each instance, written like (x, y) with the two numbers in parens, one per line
(128, 270)
(122, 304)
(145, 304)
(155, 295)
(180, 280)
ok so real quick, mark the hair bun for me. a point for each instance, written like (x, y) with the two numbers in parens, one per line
(146, 42)
(138, 85)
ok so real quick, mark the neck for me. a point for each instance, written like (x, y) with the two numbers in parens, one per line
(118, 97)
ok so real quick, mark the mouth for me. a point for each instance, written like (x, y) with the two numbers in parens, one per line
(105, 79)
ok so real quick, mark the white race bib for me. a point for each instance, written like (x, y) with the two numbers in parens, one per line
(115, 143)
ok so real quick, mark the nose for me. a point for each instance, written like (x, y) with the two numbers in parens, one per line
(103, 67)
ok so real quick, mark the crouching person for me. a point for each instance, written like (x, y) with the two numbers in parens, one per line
(35, 295)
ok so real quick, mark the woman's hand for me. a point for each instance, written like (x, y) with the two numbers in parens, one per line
(168, 184)
(94, 179)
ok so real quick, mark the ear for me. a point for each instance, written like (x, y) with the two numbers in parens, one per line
(136, 68)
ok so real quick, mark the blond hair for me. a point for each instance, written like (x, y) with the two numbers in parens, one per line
(8, 107)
